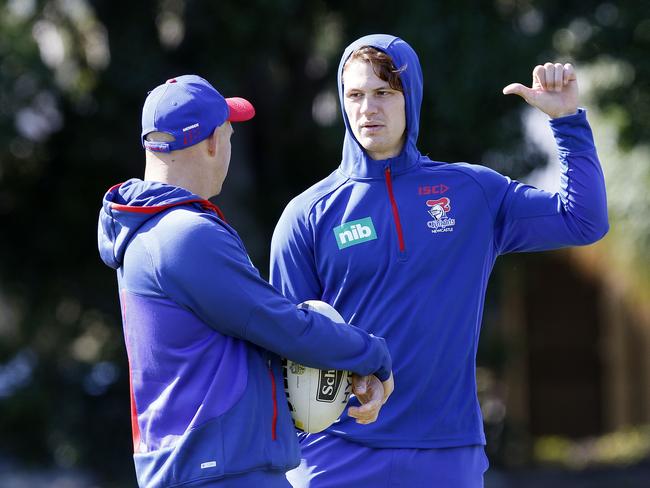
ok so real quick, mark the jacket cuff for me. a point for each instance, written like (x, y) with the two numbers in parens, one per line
(383, 374)
(572, 133)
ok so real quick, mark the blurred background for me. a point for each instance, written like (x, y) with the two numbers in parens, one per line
(564, 362)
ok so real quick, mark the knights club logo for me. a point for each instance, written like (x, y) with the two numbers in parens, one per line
(438, 209)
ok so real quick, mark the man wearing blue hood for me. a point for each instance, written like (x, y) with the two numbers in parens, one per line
(203, 332)
(394, 238)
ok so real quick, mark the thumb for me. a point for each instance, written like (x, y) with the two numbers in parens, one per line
(359, 384)
(518, 89)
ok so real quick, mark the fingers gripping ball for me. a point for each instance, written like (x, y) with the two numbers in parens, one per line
(317, 397)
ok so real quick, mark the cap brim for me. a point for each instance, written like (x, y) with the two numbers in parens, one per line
(240, 109)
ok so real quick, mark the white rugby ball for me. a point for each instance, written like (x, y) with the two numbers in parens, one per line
(316, 397)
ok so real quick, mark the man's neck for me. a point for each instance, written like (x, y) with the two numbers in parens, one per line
(184, 174)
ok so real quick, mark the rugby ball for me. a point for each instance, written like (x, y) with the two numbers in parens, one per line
(317, 397)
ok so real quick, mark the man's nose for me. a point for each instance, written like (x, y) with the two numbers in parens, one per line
(368, 106)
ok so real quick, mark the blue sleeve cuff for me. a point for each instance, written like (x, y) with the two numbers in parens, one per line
(384, 371)
(383, 374)
(572, 133)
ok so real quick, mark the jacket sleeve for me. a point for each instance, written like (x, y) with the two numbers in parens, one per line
(293, 263)
(529, 219)
(206, 269)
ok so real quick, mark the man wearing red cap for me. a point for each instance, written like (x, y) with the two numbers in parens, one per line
(203, 332)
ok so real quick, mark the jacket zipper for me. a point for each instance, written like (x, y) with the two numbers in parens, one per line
(393, 204)
(275, 405)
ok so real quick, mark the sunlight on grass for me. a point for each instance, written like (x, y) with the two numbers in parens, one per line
(619, 448)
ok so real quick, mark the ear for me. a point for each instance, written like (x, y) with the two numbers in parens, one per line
(212, 142)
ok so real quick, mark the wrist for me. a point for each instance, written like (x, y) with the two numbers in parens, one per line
(566, 113)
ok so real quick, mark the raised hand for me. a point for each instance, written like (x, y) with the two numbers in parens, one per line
(554, 90)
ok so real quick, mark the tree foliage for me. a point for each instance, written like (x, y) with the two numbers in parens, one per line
(73, 76)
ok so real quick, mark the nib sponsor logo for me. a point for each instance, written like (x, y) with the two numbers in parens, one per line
(355, 232)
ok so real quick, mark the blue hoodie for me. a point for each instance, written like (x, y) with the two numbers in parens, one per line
(203, 333)
(409, 243)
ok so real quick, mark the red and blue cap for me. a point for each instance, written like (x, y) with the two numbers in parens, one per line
(190, 109)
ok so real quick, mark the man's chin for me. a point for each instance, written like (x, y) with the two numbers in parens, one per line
(370, 144)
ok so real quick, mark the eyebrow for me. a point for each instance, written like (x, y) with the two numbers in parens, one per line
(372, 90)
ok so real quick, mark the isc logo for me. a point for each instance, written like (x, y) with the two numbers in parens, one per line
(355, 232)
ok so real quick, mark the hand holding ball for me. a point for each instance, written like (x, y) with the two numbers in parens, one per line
(316, 397)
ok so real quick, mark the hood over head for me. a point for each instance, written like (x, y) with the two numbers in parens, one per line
(127, 206)
(356, 162)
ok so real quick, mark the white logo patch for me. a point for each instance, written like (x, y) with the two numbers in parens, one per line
(190, 127)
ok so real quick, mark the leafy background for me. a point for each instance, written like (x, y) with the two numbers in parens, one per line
(74, 74)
